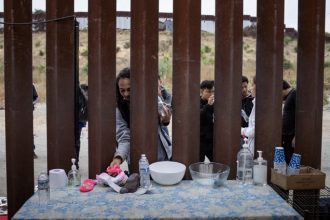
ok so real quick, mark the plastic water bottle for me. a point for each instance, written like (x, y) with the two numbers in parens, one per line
(144, 172)
(244, 165)
(43, 188)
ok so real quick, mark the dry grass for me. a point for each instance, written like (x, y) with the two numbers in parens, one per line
(165, 59)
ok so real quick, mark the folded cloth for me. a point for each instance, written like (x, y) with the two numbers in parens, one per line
(132, 184)
(120, 179)
(104, 178)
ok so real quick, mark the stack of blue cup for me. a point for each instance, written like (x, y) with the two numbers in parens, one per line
(279, 161)
(294, 165)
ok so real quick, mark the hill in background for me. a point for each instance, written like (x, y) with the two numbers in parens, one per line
(165, 58)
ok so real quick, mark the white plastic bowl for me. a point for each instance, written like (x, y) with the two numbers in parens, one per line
(167, 172)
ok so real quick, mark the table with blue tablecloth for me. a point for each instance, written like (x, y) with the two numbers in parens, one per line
(186, 200)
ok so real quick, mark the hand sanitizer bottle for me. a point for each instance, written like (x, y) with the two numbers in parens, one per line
(74, 178)
(260, 170)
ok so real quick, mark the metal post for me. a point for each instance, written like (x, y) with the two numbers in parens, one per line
(60, 85)
(228, 73)
(144, 84)
(18, 97)
(102, 84)
(270, 31)
(186, 79)
(310, 68)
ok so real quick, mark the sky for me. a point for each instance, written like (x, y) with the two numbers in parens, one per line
(290, 17)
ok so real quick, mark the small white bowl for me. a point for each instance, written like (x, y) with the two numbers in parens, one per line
(167, 172)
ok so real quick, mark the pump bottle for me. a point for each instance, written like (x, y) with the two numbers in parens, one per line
(74, 177)
(260, 170)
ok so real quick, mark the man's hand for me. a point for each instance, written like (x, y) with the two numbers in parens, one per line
(211, 100)
(166, 117)
(116, 161)
(293, 142)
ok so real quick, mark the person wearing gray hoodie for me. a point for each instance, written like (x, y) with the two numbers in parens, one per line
(123, 137)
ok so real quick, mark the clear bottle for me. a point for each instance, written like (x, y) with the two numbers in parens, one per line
(260, 170)
(144, 172)
(74, 177)
(244, 165)
(43, 188)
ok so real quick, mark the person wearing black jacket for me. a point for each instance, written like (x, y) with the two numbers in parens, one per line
(289, 120)
(35, 99)
(82, 105)
(206, 119)
(247, 104)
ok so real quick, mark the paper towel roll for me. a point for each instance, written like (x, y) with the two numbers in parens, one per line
(57, 178)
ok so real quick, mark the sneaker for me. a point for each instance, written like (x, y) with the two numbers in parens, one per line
(34, 155)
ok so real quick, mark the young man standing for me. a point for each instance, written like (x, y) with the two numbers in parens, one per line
(289, 120)
(82, 105)
(247, 104)
(35, 99)
(206, 119)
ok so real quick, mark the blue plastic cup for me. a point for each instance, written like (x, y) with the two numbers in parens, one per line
(294, 165)
(279, 160)
(279, 155)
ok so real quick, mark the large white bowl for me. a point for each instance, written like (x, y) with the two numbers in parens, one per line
(167, 172)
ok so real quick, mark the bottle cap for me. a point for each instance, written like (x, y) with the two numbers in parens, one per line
(43, 176)
(260, 155)
(73, 167)
(245, 145)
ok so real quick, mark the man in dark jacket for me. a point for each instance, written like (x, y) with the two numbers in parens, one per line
(82, 105)
(247, 104)
(206, 119)
(289, 120)
(35, 99)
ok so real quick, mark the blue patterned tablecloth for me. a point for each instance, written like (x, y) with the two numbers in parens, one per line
(187, 200)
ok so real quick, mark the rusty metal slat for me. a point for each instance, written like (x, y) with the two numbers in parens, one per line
(310, 68)
(228, 73)
(270, 31)
(186, 79)
(60, 85)
(18, 100)
(102, 81)
(144, 81)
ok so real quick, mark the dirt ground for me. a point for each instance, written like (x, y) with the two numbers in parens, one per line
(41, 137)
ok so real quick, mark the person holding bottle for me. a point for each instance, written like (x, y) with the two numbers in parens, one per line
(164, 148)
(249, 131)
